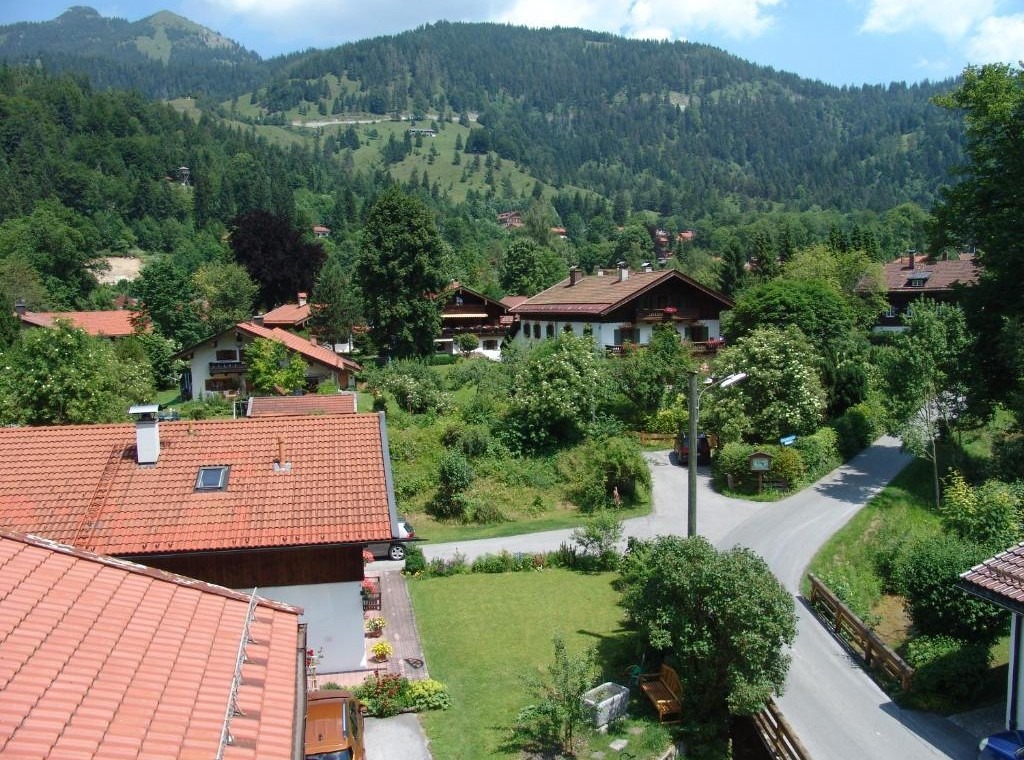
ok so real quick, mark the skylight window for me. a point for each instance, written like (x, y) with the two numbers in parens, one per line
(212, 478)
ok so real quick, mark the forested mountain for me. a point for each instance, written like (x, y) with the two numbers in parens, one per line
(163, 55)
(675, 124)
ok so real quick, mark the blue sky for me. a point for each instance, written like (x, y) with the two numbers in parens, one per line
(836, 41)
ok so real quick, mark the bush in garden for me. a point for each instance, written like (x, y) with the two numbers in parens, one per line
(415, 562)
(383, 694)
(733, 459)
(486, 514)
(988, 514)
(787, 465)
(599, 537)
(820, 451)
(947, 671)
(855, 429)
(595, 468)
(467, 342)
(428, 694)
(926, 575)
(454, 476)
(476, 440)
(451, 436)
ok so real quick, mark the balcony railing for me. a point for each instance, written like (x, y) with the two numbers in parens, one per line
(228, 368)
(668, 314)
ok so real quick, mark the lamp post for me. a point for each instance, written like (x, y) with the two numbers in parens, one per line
(691, 456)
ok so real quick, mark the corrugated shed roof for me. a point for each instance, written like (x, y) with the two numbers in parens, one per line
(109, 324)
(999, 579)
(311, 403)
(81, 484)
(101, 658)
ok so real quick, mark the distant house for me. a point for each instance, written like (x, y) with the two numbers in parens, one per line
(915, 276)
(310, 403)
(113, 324)
(619, 307)
(217, 365)
(319, 231)
(467, 311)
(106, 658)
(510, 219)
(422, 132)
(290, 316)
(284, 505)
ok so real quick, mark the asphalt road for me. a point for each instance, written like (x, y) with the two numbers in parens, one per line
(837, 710)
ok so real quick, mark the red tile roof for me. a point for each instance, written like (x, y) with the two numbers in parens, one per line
(513, 301)
(999, 579)
(311, 403)
(600, 294)
(109, 324)
(289, 314)
(101, 658)
(309, 350)
(937, 275)
(81, 485)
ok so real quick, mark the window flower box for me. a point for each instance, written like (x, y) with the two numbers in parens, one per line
(606, 702)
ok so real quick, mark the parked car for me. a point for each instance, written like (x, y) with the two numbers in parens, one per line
(703, 448)
(394, 549)
(1007, 745)
(334, 726)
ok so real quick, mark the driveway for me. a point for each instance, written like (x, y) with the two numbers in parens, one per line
(836, 709)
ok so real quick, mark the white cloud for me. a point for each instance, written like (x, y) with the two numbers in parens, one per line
(952, 19)
(997, 39)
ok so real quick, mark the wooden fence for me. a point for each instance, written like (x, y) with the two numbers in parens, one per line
(777, 735)
(876, 653)
(646, 438)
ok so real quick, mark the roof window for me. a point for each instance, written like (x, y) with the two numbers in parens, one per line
(212, 478)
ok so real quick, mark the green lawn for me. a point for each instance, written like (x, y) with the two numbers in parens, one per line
(480, 633)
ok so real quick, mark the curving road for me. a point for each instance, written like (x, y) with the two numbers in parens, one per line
(837, 710)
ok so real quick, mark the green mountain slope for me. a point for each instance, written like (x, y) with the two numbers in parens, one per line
(673, 123)
(163, 55)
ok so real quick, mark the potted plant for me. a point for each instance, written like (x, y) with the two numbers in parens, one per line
(375, 626)
(381, 651)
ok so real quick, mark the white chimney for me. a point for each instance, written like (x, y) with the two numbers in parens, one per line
(147, 432)
(647, 266)
(302, 299)
(623, 273)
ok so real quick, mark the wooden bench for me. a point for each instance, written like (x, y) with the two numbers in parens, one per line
(665, 693)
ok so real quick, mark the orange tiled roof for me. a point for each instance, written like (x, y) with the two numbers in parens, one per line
(1000, 579)
(599, 294)
(309, 350)
(311, 403)
(937, 275)
(101, 658)
(288, 314)
(81, 485)
(510, 302)
(110, 324)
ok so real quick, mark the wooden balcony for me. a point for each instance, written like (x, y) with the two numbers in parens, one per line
(228, 368)
(668, 314)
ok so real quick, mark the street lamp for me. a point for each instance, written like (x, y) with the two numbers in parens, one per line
(695, 393)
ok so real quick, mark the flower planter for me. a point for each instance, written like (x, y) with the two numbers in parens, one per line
(606, 702)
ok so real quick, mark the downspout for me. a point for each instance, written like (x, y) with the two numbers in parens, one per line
(299, 719)
(1013, 698)
(389, 480)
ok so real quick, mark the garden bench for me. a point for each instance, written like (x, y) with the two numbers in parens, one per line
(664, 692)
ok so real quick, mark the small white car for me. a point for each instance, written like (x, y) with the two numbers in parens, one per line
(395, 549)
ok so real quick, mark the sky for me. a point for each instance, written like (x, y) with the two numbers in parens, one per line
(836, 41)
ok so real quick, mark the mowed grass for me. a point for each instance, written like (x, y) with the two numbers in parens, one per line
(481, 633)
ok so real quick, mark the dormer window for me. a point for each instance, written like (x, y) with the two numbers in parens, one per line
(212, 478)
(918, 279)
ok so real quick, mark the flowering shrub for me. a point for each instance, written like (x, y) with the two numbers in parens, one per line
(368, 586)
(428, 694)
(382, 650)
(367, 557)
(376, 624)
(383, 694)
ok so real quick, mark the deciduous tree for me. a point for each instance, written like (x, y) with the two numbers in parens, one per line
(273, 367)
(61, 376)
(276, 255)
(722, 617)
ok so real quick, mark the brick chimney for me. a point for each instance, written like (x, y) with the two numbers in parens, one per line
(574, 275)
(147, 432)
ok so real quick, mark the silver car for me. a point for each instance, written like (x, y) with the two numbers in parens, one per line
(394, 549)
